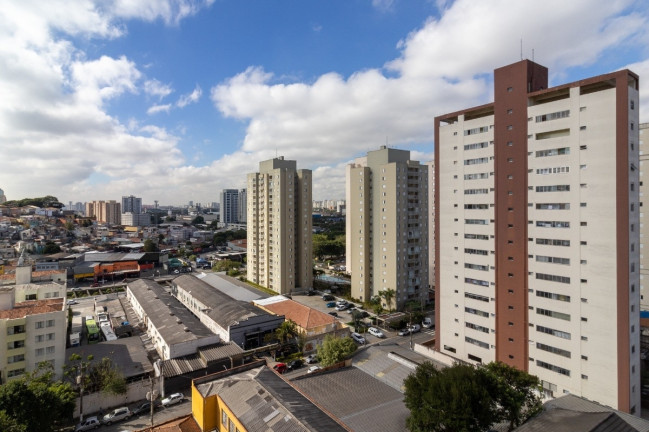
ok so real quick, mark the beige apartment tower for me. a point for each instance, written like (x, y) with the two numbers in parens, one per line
(105, 211)
(280, 227)
(537, 233)
(387, 226)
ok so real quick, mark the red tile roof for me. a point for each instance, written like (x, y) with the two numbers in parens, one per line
(32, 307)
(304, 316)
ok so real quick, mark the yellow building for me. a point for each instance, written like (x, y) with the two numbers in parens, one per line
(253, 397)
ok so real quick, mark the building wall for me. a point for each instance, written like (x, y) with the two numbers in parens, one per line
(644, 224)
(388, 210)
(229, 208)
(279, 227)
(538, 222)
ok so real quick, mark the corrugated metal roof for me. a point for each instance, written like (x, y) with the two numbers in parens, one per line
(219, 351)
(111, 256)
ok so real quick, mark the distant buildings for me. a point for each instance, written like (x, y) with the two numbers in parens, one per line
(279, 226)
(3, 198)
(229, 210)
(105, 211)
(242, 207)
(387, 226)
(132, 212)
(537, 232)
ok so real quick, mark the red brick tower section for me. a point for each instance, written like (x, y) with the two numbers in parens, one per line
(511, 86)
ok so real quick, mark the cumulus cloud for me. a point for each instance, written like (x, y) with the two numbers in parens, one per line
(192, 97)
(155, 88)
(443, 66)
(55, 134)
(155, 109)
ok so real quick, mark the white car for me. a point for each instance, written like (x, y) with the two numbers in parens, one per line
(88, 424)
(375, 332)
(313, 369)
(311, 358)
(116, 415)
(172, 399)
(72, 302)
(358, 338)
(427, 323)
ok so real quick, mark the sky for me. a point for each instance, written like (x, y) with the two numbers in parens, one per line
(175, 100)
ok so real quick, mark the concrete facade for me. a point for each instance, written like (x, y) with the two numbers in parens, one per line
(387, 210)
(280, 247)
(537, 248)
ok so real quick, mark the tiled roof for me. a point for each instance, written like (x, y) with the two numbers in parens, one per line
(180, 424)
(302, 315)
(561, 420)
(32, 307)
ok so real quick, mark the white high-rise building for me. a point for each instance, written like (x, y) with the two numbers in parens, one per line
(279, 227)
(387, 227)
(537, 232)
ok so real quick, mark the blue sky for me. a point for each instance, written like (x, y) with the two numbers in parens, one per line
(174, 100)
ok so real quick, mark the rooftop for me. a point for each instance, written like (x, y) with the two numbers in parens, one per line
(171, 318)
(127, 353)
(33, 307)
(302, 315)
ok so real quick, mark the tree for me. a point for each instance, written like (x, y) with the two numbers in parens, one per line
(198, 220)
(452, 399)
(518, 393)
(467, 398)
(51, 248)
(286, 331)
(97, 376)
(36, 402)
(388, 295)
(334, 350)
(149, 246)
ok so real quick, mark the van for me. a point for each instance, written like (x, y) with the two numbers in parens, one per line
(358, 338)
(415, 328)
(427, 323)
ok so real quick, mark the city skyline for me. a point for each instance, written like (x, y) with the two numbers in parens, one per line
(176, 100)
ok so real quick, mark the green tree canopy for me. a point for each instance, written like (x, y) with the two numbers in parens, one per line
(222, 237)
(198, 220)
(51, 248)
(36, 402)
(286, 330)
(465, 398)
(46, 201)
(150, 246)
(97, 376)
(327, 246)
(334, 350)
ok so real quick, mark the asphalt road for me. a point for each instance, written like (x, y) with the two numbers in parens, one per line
(160, 415)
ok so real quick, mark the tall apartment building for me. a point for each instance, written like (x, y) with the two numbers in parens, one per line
(537, 248)
(131, 204)
(279, 226)
(242, 209)
(229, 209)
(431, 226)
(105, 211)
(387, 210)
(3, 198)
(644, 224)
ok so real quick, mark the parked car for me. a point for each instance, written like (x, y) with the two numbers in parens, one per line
(313, 369)
(294, 364)
(311, 358)
(427, 323)
(172, 399)
(71, 302)
(375, 332)
(331, 304)
(116, 415)
(280, 367)
(341, 302)
(404, 332)
(143, 408)
(334, 314)
(415, 328)
(328, 297)
(341, 307)
(88, 424)
(310, 293)
(358, 338)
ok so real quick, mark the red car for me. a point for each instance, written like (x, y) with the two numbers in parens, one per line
(280, 367)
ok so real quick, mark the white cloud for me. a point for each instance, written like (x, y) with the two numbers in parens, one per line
(170, 11)
(192, 97)
(383, 5)
(158, 108)
(154, 87)
(444, 66)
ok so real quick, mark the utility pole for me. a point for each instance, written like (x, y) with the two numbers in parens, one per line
(80, 383)
(151, 396)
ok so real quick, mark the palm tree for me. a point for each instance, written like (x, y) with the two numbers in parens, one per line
(286, 330)
(388, 295)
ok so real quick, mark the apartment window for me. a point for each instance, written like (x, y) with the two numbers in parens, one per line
(553, 296)
(552, 116)
(476, 342)
(553, 170)
(553, 368)
(553, 206)
(553, 260)
(553, 224)
(553, 350)
(632, 104)
(553, 152)
(553, 314)
(476, 146)
(553, 188)
(553, 332)
(40, 324)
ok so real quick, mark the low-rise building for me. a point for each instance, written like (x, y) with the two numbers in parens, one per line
(235, 321)
(174, 330)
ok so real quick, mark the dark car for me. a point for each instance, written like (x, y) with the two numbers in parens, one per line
(294, 364)
(143, 408)
(310, 293)
(331, 304)
(334, 314)
(328, 297)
